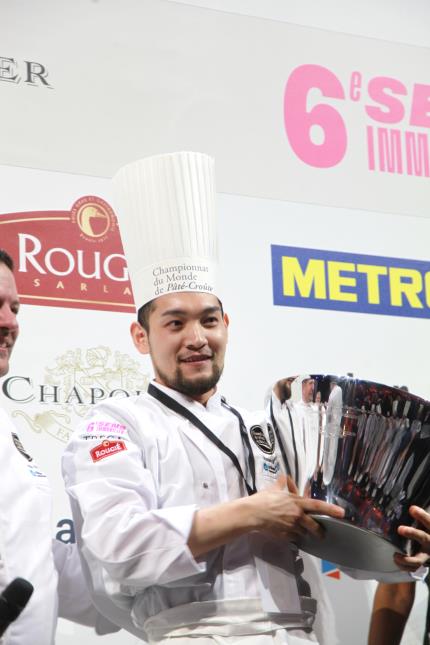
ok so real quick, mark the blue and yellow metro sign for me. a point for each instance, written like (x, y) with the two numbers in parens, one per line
(349, 282)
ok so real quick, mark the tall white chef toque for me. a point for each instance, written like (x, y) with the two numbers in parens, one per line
(166, 213)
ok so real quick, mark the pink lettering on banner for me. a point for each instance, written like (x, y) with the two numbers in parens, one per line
(301, 123)
(355, 86)
(420, 112)
(107, 449)
(384, 91)
(315, 119)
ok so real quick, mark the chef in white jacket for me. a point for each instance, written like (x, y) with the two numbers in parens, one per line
(181, 507)
(26, 547)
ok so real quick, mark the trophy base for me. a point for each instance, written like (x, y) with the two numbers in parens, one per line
(350, 546)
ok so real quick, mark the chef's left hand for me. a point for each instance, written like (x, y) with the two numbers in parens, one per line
(421, 535)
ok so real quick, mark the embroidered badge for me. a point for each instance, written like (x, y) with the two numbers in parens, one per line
(20, 447)
(106, 449)
(106, 427)
(259, 438)
(271, 468)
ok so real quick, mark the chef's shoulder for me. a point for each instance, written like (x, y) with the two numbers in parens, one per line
(134, 418)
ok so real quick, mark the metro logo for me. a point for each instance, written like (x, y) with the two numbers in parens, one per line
(106, 449)
(332, 280)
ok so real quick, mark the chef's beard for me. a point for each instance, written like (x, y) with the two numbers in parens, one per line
(191, 387)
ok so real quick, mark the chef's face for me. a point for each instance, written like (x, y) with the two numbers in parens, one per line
(186, 338)
(9, 306)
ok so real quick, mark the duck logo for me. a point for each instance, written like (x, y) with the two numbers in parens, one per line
(330, 570)
(94, 217)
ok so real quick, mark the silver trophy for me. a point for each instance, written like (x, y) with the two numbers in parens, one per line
(363, 446)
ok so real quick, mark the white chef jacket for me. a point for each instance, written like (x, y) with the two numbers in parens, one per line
(136, 473)
(28, 551)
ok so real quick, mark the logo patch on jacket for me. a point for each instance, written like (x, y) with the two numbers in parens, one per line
(106, 449)
(259, 438)
(105, 427)
(35, 471)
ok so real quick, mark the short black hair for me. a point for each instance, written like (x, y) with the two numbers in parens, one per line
(6, 259)
(145, 311)
(143, 314)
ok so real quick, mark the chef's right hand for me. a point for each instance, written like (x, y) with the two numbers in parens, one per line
(280, 511)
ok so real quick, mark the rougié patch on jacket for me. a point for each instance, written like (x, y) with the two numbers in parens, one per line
(106, 449)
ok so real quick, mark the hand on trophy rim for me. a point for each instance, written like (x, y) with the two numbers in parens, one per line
(421, 535)
(281, 512)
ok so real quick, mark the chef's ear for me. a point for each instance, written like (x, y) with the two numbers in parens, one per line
(140, 337)
(226, 320)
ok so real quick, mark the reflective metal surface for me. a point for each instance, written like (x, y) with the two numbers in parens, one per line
(364, 446)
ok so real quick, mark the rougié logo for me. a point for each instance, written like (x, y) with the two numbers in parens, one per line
(318, 133)
(69, 258)
(317, 279)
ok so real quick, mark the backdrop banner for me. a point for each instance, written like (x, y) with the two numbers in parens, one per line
(75, 349)
(289, 112)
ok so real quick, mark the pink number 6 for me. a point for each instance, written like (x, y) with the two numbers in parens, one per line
(298, 121)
